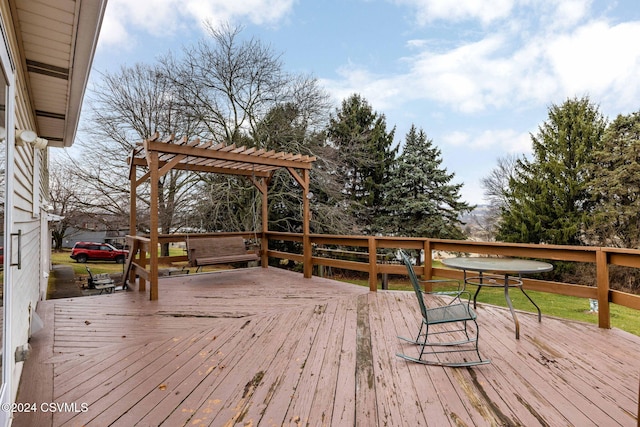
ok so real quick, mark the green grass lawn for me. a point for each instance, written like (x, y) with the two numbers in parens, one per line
(80, 269)
(110, 267)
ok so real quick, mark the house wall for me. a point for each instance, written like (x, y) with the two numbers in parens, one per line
(73, 235)
(114, 237)
(29, 193)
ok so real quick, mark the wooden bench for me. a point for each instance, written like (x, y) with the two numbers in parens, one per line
(107, 287)
(103, 282)
(218, 250)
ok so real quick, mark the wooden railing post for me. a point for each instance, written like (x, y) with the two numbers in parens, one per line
(142, 261)
(307, 253)
(428, 262)
(373, 264)
(602, 281)
(134, 246)
(264, 250)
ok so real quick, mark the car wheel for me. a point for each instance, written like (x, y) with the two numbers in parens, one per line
(81, 258)
(120, 260)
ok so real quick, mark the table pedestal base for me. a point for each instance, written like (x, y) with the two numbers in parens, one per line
(505, 282)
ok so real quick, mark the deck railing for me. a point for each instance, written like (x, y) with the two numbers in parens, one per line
(601, 258)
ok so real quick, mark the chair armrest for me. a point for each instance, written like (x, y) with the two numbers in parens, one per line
(461, 286)
(456, 294)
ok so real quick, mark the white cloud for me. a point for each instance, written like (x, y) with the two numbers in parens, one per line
(528, 52)
(457, 138)
(599, 59)
(258, 11)
(510, 69)
(509, 141)
(113, 31)
(381, 93)
(167, 17)
(570, 12)
(469, 77)
(505, 140)
(485, 11)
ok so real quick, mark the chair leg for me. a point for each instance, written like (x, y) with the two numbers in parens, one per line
(477, 338)
(422, 339)
(466, 332)
(427, 349)
(418, 339)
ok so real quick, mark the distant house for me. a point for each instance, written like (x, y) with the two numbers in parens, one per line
(45, 56)
(101, 228)
(116, 238)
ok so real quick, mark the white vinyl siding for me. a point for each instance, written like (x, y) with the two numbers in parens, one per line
(25, 282)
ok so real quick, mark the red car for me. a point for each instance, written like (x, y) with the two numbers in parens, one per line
(84, 251)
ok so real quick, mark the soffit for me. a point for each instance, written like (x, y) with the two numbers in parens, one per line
(58, 39)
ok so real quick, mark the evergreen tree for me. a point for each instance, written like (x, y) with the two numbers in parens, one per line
(615, 186)
(420, 198)
(364, 157)
(548, 195)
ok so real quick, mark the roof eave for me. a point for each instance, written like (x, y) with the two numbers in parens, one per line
(89, 21)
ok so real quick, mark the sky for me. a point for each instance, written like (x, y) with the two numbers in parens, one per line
(478, 76)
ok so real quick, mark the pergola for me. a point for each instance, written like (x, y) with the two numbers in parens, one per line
(156, 157)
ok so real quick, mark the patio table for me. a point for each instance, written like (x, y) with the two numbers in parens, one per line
(502, 273)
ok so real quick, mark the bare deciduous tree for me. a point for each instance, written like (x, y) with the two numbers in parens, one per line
(496, 186)
(226, 83)
(239, 91)
(226, 89)
(127, 107)
(65, 196)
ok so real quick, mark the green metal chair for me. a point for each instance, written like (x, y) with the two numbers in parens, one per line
(435, 344)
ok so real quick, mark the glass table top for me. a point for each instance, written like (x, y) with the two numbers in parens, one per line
(498, 265)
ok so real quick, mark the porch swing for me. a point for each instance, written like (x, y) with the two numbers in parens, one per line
(223, 250)
(156, 157)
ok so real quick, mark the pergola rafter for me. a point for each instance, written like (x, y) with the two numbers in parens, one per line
(157, 157)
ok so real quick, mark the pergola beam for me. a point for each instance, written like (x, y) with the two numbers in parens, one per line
(280, 160)
(207, 169)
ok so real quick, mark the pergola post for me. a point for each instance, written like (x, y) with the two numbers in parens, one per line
(153, 224)
(262, 184)
(264, 241)
(306, 217)
(132, 200)
(133, 224)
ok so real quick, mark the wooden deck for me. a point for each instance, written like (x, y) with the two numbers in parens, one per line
(267, 347)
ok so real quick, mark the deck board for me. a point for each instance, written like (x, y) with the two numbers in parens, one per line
(420, 390)
(266, 347)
